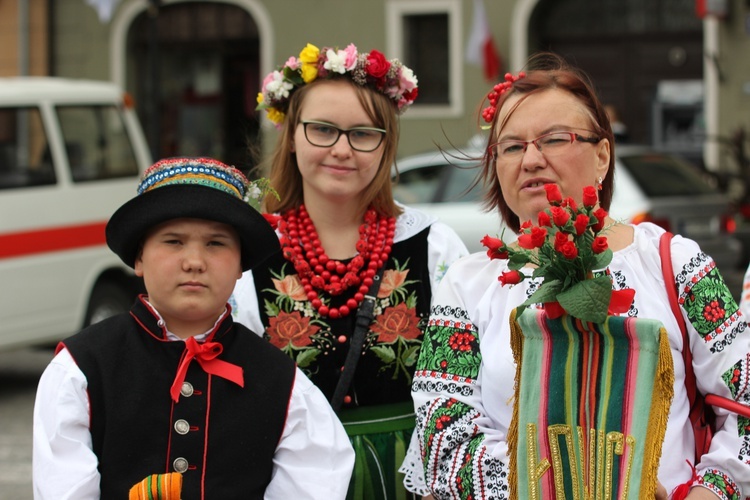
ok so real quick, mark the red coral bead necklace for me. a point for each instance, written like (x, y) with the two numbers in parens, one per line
(318, 273)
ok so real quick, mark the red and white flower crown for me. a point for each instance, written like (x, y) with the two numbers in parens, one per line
(389, 77)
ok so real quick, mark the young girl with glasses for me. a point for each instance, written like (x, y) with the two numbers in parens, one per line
(341, 231)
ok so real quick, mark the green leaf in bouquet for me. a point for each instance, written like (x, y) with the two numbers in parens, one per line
(517, 260)
(588, 300)
(546, 293)
(568, 281)
(587, 238)
(548, 253)
(602, 260)
(541, 271)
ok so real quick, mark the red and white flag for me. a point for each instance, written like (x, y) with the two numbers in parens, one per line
(480, 47)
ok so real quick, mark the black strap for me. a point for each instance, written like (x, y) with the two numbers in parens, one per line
(365, 312)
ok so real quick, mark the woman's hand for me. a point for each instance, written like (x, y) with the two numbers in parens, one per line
(661, 492)
(697, 493)
(700, 493)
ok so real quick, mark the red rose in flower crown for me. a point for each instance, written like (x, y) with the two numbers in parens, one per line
(565, 248)
(377, 64)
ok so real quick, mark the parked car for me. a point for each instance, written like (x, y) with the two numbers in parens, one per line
(440, 183)
(71, 152)
(649, 186)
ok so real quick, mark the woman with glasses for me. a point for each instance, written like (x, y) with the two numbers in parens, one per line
(547, 126)
(350, 255)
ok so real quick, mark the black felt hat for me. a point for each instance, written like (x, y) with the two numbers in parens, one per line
(198, 188)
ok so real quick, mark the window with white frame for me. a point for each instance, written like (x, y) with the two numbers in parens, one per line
(425, 35)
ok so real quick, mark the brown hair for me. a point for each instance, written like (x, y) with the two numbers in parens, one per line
(285, 176)
(547, 71)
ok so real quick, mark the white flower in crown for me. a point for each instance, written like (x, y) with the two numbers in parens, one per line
(335, 61)
(407, 80)
(276, 86)
(254, 191)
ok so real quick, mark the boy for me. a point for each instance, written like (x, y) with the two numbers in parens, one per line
(174, 386)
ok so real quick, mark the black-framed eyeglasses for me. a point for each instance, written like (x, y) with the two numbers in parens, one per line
(550, 145)
(323, 135)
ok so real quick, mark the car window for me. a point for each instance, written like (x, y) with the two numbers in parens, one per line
(418, 185)
(660, 175)
(24, 156)
(457, 187)
(97, 143)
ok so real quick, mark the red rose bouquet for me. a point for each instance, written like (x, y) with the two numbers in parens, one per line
(565, 247)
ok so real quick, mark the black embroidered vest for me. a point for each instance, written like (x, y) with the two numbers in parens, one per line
(222, 435)
(319, 345)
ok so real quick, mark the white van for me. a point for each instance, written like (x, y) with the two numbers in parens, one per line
(71, 152)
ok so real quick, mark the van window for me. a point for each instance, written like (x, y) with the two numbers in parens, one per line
(96, 142)
(24, 157)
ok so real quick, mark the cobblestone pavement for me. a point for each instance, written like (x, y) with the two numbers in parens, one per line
(19, 374)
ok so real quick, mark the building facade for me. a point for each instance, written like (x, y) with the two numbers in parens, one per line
(679, 77)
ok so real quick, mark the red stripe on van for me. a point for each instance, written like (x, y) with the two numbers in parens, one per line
(52, 240)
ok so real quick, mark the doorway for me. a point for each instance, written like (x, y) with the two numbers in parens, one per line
(196, 68)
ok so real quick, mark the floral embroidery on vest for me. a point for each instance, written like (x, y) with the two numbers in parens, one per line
(394, 335)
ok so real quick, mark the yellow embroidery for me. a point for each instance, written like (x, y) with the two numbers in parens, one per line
(587, 449)
(591, 461)
(599, 464)
(630, 441)
(536, 468)
(557, 469)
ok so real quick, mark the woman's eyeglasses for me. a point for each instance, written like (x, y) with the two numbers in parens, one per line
(550, 145)
(323, 135)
